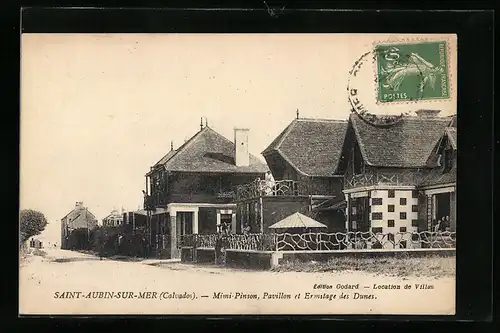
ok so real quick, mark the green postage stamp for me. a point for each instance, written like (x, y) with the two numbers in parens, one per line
(412, 71)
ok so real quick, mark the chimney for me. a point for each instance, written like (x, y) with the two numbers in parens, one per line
(241, 155)
(79, 205)
(427, 113)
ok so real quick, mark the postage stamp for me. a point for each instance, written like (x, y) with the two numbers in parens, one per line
(412, 71)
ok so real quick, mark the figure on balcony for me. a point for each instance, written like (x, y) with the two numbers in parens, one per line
(259, 187)
(446, 226)
(437, 227)
(246, 229)
(147, 201)
(269, 184)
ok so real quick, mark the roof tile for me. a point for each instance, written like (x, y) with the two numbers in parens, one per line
(312, 146)
(406, 144)
(208, 151)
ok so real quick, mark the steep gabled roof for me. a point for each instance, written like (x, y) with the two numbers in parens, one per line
(208, 151)
(165, 158)
(406, 144)
(437, 177)
(312, 146)
(451, 132)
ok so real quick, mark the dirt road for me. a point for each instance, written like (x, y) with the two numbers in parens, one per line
(66, 282)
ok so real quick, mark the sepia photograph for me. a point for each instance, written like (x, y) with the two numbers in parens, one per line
(209, 174)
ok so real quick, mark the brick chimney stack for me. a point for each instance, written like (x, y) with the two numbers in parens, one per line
(241, 156)
(427, 113)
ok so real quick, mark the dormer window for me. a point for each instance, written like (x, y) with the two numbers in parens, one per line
(447, 160)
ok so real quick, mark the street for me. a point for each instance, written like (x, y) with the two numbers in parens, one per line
(66, 282)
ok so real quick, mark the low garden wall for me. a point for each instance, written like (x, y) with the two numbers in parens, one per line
(269, 259)
(200, 255)
(249, 259)
(187, 254)
(323, 256)
(265, 251)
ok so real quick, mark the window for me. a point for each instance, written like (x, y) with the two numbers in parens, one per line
(376, 201)
(414, 194)
(402, 215)
(402, 229)
(390, 223)
(226, 184)
(390, 237)
(414, 223)
(377, 216)
(208, 184)
(391, 194)
(402, 201)
(377, 230)
(414, 208)
(390, 208)
(402, 245)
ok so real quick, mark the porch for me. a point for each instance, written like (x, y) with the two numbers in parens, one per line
(169, 226)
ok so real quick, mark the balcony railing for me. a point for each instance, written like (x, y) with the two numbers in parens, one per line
(268, 188)
(368, 179)
(225, 194)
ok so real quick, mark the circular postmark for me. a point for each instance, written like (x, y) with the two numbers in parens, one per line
(358, 83)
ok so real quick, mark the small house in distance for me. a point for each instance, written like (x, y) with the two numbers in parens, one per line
(304, 160)
(114, 219)
(192, 188)
(78, 218)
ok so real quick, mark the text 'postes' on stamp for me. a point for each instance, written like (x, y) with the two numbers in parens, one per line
(413, 71)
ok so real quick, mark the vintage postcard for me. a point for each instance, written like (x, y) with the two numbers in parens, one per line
(220, 174)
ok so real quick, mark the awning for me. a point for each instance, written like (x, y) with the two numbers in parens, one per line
(159, 211)
(297, 220)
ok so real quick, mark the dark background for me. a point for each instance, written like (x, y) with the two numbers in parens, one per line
(475, 117)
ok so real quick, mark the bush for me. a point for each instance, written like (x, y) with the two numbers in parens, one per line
(78, 239)
(32, 223)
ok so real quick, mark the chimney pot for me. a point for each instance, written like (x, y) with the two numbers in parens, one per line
(427, 113)
(241, 154)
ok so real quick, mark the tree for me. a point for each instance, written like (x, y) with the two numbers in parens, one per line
(32, 223)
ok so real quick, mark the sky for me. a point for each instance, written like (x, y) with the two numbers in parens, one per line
(98, 110)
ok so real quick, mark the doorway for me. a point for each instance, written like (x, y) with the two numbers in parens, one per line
(359, 214)
(442, 205)
(185, 223)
